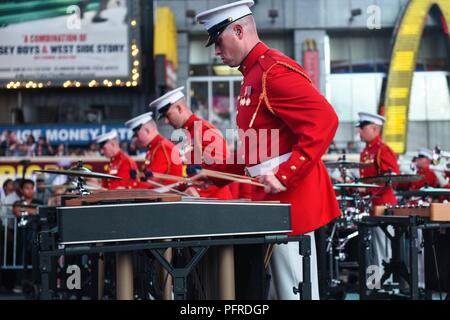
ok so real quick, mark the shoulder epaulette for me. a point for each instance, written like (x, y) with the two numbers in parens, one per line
(268, 61)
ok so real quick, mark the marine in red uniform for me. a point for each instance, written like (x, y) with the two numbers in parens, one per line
(120, 164)
(422, 162)
(205, 146)
(381, 157)
(447, 186)
(382, 160)
(282, 117)
(277, 97)
(447, 177)
(162, 155)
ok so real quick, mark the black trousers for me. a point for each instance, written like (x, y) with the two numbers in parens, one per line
(252, 282)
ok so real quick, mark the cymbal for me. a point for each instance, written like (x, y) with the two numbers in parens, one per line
(346, 164)
(341, 198)
(84, 172)
(29, 205)
(423, 192)
(356, 185)
(72, 186)
(402, 178)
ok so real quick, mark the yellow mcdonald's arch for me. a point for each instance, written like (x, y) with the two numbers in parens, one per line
(401, 70)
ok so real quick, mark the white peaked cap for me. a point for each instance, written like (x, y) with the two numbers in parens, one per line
(217, 19)
(425, 153)
(106, 136)
(139, 120)
(370, 117)
(164, 102)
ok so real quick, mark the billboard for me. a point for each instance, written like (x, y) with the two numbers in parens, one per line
(68, 134)
(68, 43)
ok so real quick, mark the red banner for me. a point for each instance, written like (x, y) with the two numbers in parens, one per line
(311, 65)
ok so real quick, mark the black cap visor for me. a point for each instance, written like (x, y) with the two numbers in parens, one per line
(216, 30)
(163, 111)
(136, 130)
(102, 144)
(362, 124)
(421, 156)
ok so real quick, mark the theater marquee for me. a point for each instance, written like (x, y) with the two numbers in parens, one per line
(68, 44)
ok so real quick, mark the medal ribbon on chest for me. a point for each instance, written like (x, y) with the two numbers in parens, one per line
(245, 100)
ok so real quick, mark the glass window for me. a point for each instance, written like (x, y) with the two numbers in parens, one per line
(221, 109)
(362, 93)
(198, 96)
(359, 53)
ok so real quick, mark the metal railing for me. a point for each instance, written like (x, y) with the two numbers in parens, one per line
(11, 248)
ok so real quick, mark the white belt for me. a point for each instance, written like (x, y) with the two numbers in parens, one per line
(267, 165)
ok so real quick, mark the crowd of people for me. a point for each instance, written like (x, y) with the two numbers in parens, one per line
(12, 146)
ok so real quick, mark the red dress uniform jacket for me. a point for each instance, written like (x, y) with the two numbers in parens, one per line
(162, 157)
(383, 159)
(447, 186)
(123, 166)
(447, 176)
(277, 98)
(429, 178)
(208, 147)
(241, 190)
